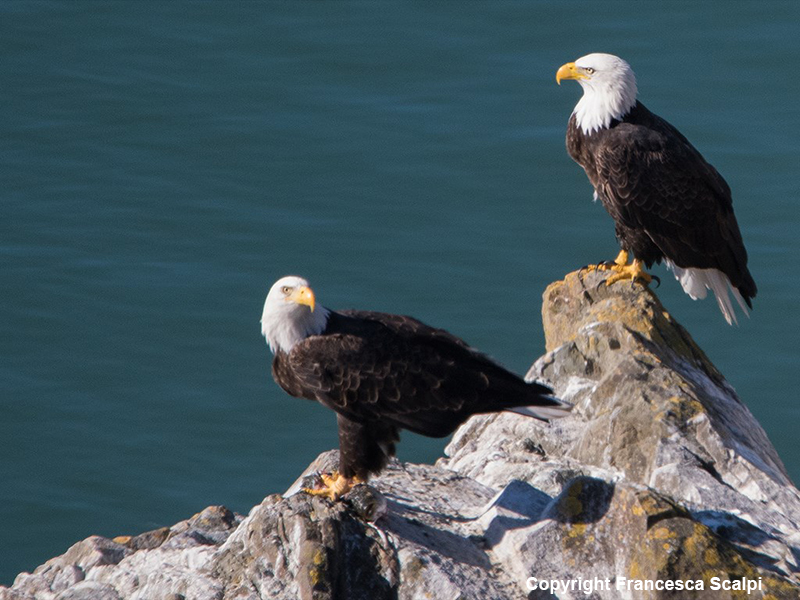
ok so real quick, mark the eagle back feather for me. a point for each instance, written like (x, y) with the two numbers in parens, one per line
(395, 369)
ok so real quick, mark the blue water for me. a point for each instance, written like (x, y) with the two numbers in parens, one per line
(164, 163)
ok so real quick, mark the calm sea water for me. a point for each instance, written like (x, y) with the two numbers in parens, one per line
(164, 163)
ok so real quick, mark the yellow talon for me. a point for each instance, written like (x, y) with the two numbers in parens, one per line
(329, 480)
(634, 271)
(622, 270)
(620, 261)
(335, 486)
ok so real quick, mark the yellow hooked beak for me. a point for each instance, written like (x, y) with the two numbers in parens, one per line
(569, 71)
(303, 295)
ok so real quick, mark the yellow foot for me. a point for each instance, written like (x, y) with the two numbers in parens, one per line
(334, 487)
(620, 261)
(634, 271)
(622, 270)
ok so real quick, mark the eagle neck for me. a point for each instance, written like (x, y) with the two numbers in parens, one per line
(599, 108)
(284, 333)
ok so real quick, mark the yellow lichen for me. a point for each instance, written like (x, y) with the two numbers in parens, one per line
(577, 529)
(712, 557)
(634, 572)
(662, 533)
(316, 570)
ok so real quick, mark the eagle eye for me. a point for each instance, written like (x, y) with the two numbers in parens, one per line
(589, 70)
(286, 289)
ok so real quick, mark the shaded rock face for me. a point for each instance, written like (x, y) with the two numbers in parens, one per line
(661, 473)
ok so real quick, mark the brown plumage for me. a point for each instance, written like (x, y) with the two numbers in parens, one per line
(382, 373)
(667, 201)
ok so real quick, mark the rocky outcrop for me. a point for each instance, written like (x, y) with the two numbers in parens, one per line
(699, 488)
(661, 474)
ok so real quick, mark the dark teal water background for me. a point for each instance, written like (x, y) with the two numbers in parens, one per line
(163, 163)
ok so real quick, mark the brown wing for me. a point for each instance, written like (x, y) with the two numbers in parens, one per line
(373, 367)
(652, 179)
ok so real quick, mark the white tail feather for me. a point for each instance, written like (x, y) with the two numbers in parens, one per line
(695, 282)
(544, 413)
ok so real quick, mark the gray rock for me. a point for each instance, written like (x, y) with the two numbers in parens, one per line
(661, 473)
(89, 590)
(652, 411)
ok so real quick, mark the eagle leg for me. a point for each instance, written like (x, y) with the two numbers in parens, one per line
(334, 487)
(621, 260)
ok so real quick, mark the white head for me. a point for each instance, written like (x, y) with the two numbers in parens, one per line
(609, 89)
(290, 314)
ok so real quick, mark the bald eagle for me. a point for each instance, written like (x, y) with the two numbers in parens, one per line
(667, 202)
(382, 373)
